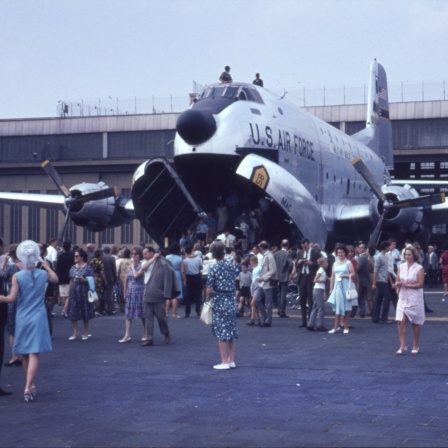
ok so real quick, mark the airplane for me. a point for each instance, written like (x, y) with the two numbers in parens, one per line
(239, 139)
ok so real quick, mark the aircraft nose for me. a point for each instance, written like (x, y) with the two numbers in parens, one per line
(196, 126)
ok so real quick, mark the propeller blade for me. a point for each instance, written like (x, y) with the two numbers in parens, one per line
(421, 201)
(64, 228)
(54, 176)
(94, 196)
(376, 234)
(362, 169)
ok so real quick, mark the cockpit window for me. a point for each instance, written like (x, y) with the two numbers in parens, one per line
(232, 91)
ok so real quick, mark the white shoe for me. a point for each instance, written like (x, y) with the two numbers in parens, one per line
(346, 331)
(334, 330)
(232, 365)
(72, 338)
(122, 341)
(222, 366)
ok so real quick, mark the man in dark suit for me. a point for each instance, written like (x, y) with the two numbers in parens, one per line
(283, 261)
(363, 270)
(431, 266)
(110, 273)
(160, 285)
(306, 268)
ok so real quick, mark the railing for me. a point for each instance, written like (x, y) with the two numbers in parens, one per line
(325, 96)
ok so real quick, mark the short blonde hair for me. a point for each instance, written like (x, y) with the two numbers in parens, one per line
(414, 252)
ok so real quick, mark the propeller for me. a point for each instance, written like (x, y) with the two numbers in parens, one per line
(387, 203)
(72, 199)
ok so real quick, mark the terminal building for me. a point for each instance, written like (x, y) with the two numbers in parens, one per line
(110, 148)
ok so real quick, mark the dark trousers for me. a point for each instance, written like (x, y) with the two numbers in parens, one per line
(156, 310)
(306, 296)
(282, 301)
(109, 298)
(3, 318)
(381, 302)
(432, 277)
(363, 293)
(264, 301)
(194, 294)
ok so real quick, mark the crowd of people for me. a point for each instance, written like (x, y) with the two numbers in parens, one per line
(240, 280)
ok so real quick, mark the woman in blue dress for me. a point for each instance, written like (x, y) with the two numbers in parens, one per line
(133, 291)
(221, 289)
(79, 307)
(32, 335)
(175, 259)
(342, 271)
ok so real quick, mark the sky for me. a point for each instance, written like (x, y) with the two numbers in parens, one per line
(133, 54)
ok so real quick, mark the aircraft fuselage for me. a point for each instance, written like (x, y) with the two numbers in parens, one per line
(257, 121)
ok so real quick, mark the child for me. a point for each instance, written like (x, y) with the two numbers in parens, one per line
(316, 322)
(245, 280)
(255, 290)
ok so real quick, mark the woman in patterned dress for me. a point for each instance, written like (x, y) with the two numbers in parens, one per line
(133, 291)
(123, 266)
(100, 280)
(221, 288)
(410, 306)
(79, 307)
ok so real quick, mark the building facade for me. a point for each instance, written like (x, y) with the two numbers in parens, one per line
(110, 148)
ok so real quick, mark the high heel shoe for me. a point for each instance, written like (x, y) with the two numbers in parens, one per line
(33, 392)
(415, 351)
(27, 396)
(122, 341)
(15, 363)
(401, 351)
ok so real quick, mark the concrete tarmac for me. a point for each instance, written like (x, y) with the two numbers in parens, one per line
(291, 387)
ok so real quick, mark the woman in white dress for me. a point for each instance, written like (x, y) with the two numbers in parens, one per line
(410, 306)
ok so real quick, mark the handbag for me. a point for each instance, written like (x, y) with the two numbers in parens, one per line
(206, 313)
(92, 296)
(351, 293)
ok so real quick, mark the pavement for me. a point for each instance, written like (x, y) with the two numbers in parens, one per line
(291, 387)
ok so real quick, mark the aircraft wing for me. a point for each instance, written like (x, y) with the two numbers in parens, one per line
(53, 201)
(427, 183)
(352, 211)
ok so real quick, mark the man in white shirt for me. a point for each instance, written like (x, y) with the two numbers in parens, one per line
(226, 238)
(52, 257)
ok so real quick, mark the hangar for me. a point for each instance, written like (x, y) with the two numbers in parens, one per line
(110, 148)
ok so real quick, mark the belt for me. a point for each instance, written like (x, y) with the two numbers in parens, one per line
(225, 291)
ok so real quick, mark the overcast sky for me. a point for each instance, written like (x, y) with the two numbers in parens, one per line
(90, 50)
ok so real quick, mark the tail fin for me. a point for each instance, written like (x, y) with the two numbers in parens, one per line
(378, 132)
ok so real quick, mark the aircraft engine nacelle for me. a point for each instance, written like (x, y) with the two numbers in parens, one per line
(398, 220)
(95, 215)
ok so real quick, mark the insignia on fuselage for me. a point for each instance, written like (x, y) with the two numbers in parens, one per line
(260, 177)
